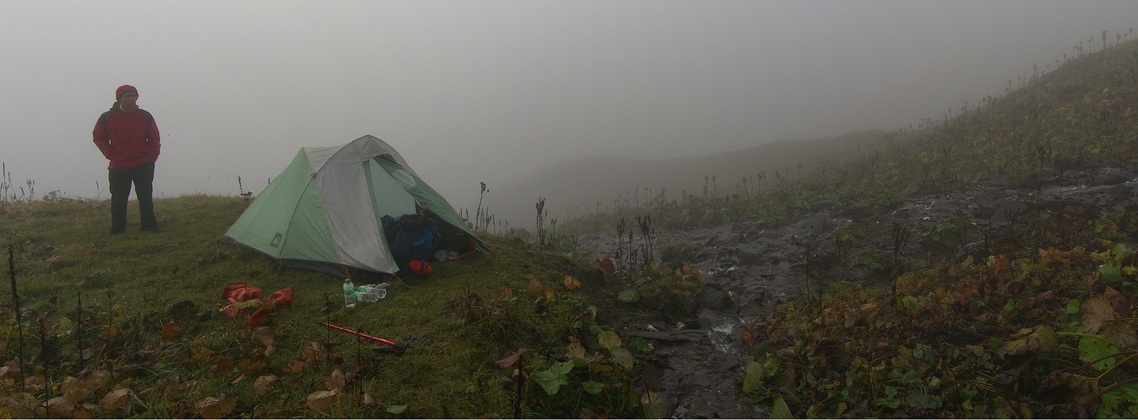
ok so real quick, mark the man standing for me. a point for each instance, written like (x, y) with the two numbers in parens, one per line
(128, 136)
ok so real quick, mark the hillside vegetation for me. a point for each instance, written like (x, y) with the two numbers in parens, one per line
(1038, 323)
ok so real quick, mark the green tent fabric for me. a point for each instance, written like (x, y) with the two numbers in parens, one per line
(324, 211)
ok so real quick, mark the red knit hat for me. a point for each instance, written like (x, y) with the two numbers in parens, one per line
(122, 90)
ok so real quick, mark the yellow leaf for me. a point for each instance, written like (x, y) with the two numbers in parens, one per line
(321, 400)
(571, 283)
(118, 399)
(576, 351)
(1038, 339)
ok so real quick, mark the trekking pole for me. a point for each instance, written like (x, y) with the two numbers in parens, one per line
(360, 334)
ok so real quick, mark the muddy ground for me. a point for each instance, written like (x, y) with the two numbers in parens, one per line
(749, 268)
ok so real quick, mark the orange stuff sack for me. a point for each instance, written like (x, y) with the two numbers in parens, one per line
(420, 268)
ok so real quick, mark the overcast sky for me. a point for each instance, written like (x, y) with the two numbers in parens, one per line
(493, 91)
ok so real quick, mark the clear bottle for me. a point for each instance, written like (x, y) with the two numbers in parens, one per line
(372, 292)
(349, 294)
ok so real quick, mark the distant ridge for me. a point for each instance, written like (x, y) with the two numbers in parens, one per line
(579, 187)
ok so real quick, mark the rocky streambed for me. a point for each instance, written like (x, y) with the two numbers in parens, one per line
(750, 268)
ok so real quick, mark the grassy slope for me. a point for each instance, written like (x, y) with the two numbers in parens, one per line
(471, 312)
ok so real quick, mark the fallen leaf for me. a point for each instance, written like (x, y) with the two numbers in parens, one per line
(533, 286)
(321, 400)
(1039, 339)
(172, 331)
(59, 407)
(215, 408)
(296, 366)
(253, 365)
(221, 365)
(511, 359)
(313, 352)
(202, 354)
(75, 390)
(335, 381)
(1095, 312)
(263, 384)
(117, 399)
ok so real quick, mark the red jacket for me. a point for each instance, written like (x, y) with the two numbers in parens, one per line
(128, 138)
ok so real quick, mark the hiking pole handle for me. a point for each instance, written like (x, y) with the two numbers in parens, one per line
(357, 333)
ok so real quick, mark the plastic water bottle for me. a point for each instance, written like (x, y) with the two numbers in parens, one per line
(349, 294)
(372, 292)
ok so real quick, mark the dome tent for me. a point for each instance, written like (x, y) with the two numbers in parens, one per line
(324, 211)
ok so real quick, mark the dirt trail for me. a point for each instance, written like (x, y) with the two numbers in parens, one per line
(750, 269)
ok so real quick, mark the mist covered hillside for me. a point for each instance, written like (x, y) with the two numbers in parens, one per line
(598, 184)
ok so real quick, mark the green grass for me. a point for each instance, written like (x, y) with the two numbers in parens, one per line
(462, 319)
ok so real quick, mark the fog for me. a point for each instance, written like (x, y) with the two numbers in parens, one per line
(494, 91)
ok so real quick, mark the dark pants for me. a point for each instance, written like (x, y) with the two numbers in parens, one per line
(143, 179)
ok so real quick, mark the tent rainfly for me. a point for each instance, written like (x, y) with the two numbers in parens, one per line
(324, 211)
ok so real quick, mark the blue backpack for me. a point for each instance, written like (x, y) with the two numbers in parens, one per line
(411, 237)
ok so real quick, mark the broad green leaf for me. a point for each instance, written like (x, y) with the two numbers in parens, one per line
(1112, 402)
(752, 377)
(628, 296)
(781, 410)
(397, 409)
(911, 303)
(1111, 272)
(657, 409)
(1118, 251)
(1072, 307)
(553, 378)
(922, 400)
(1092, 348)
(609, 339)
(593, 387)
(623, 357)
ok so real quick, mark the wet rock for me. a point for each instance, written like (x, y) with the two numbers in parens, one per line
(714, 298)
